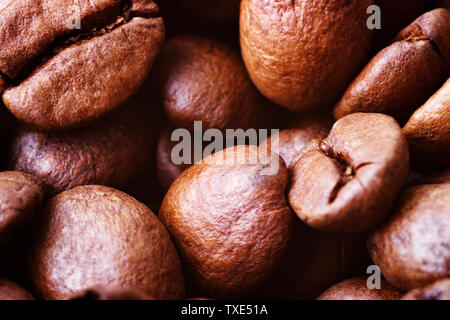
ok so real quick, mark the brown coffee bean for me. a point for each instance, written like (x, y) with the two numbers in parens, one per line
(412, 248)
(59, 77)
(98, 236)
(428, 131)
(12, 291)
(314, 261)
(438, 290)
(302, 54)
(230, 221)
(20, 196)
(110, 293)
(292, 215)
(202, 79)
(404, 75)
(110, 153)
(214, 11)
(294, 142)
(348, 182)
(356, 289)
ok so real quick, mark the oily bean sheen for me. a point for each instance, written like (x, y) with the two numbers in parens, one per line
(348, 181)
(230, 221)
(20, 196)
(202, 79)
(301, 54)
(97, 236)
(404, 75)
(356, 289)
(12, 291)
(428, 131)
(57, 77)
(110, 153)
(438, 290)
(412, 248)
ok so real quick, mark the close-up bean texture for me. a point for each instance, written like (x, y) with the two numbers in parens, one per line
(224, 150)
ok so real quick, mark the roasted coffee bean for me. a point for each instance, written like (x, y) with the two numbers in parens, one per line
(110, 152)
(428, 131)
(275, 148)
(12, 291)
(98, 236)
(357, 289)
(404, 75)
(20, 197)
(438, 290)
(348, 181)
(200, 79)
(230, 221)
(55, 76)
(412, 248)
(302, 54)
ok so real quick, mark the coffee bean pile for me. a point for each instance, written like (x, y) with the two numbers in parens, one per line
(109, 190)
